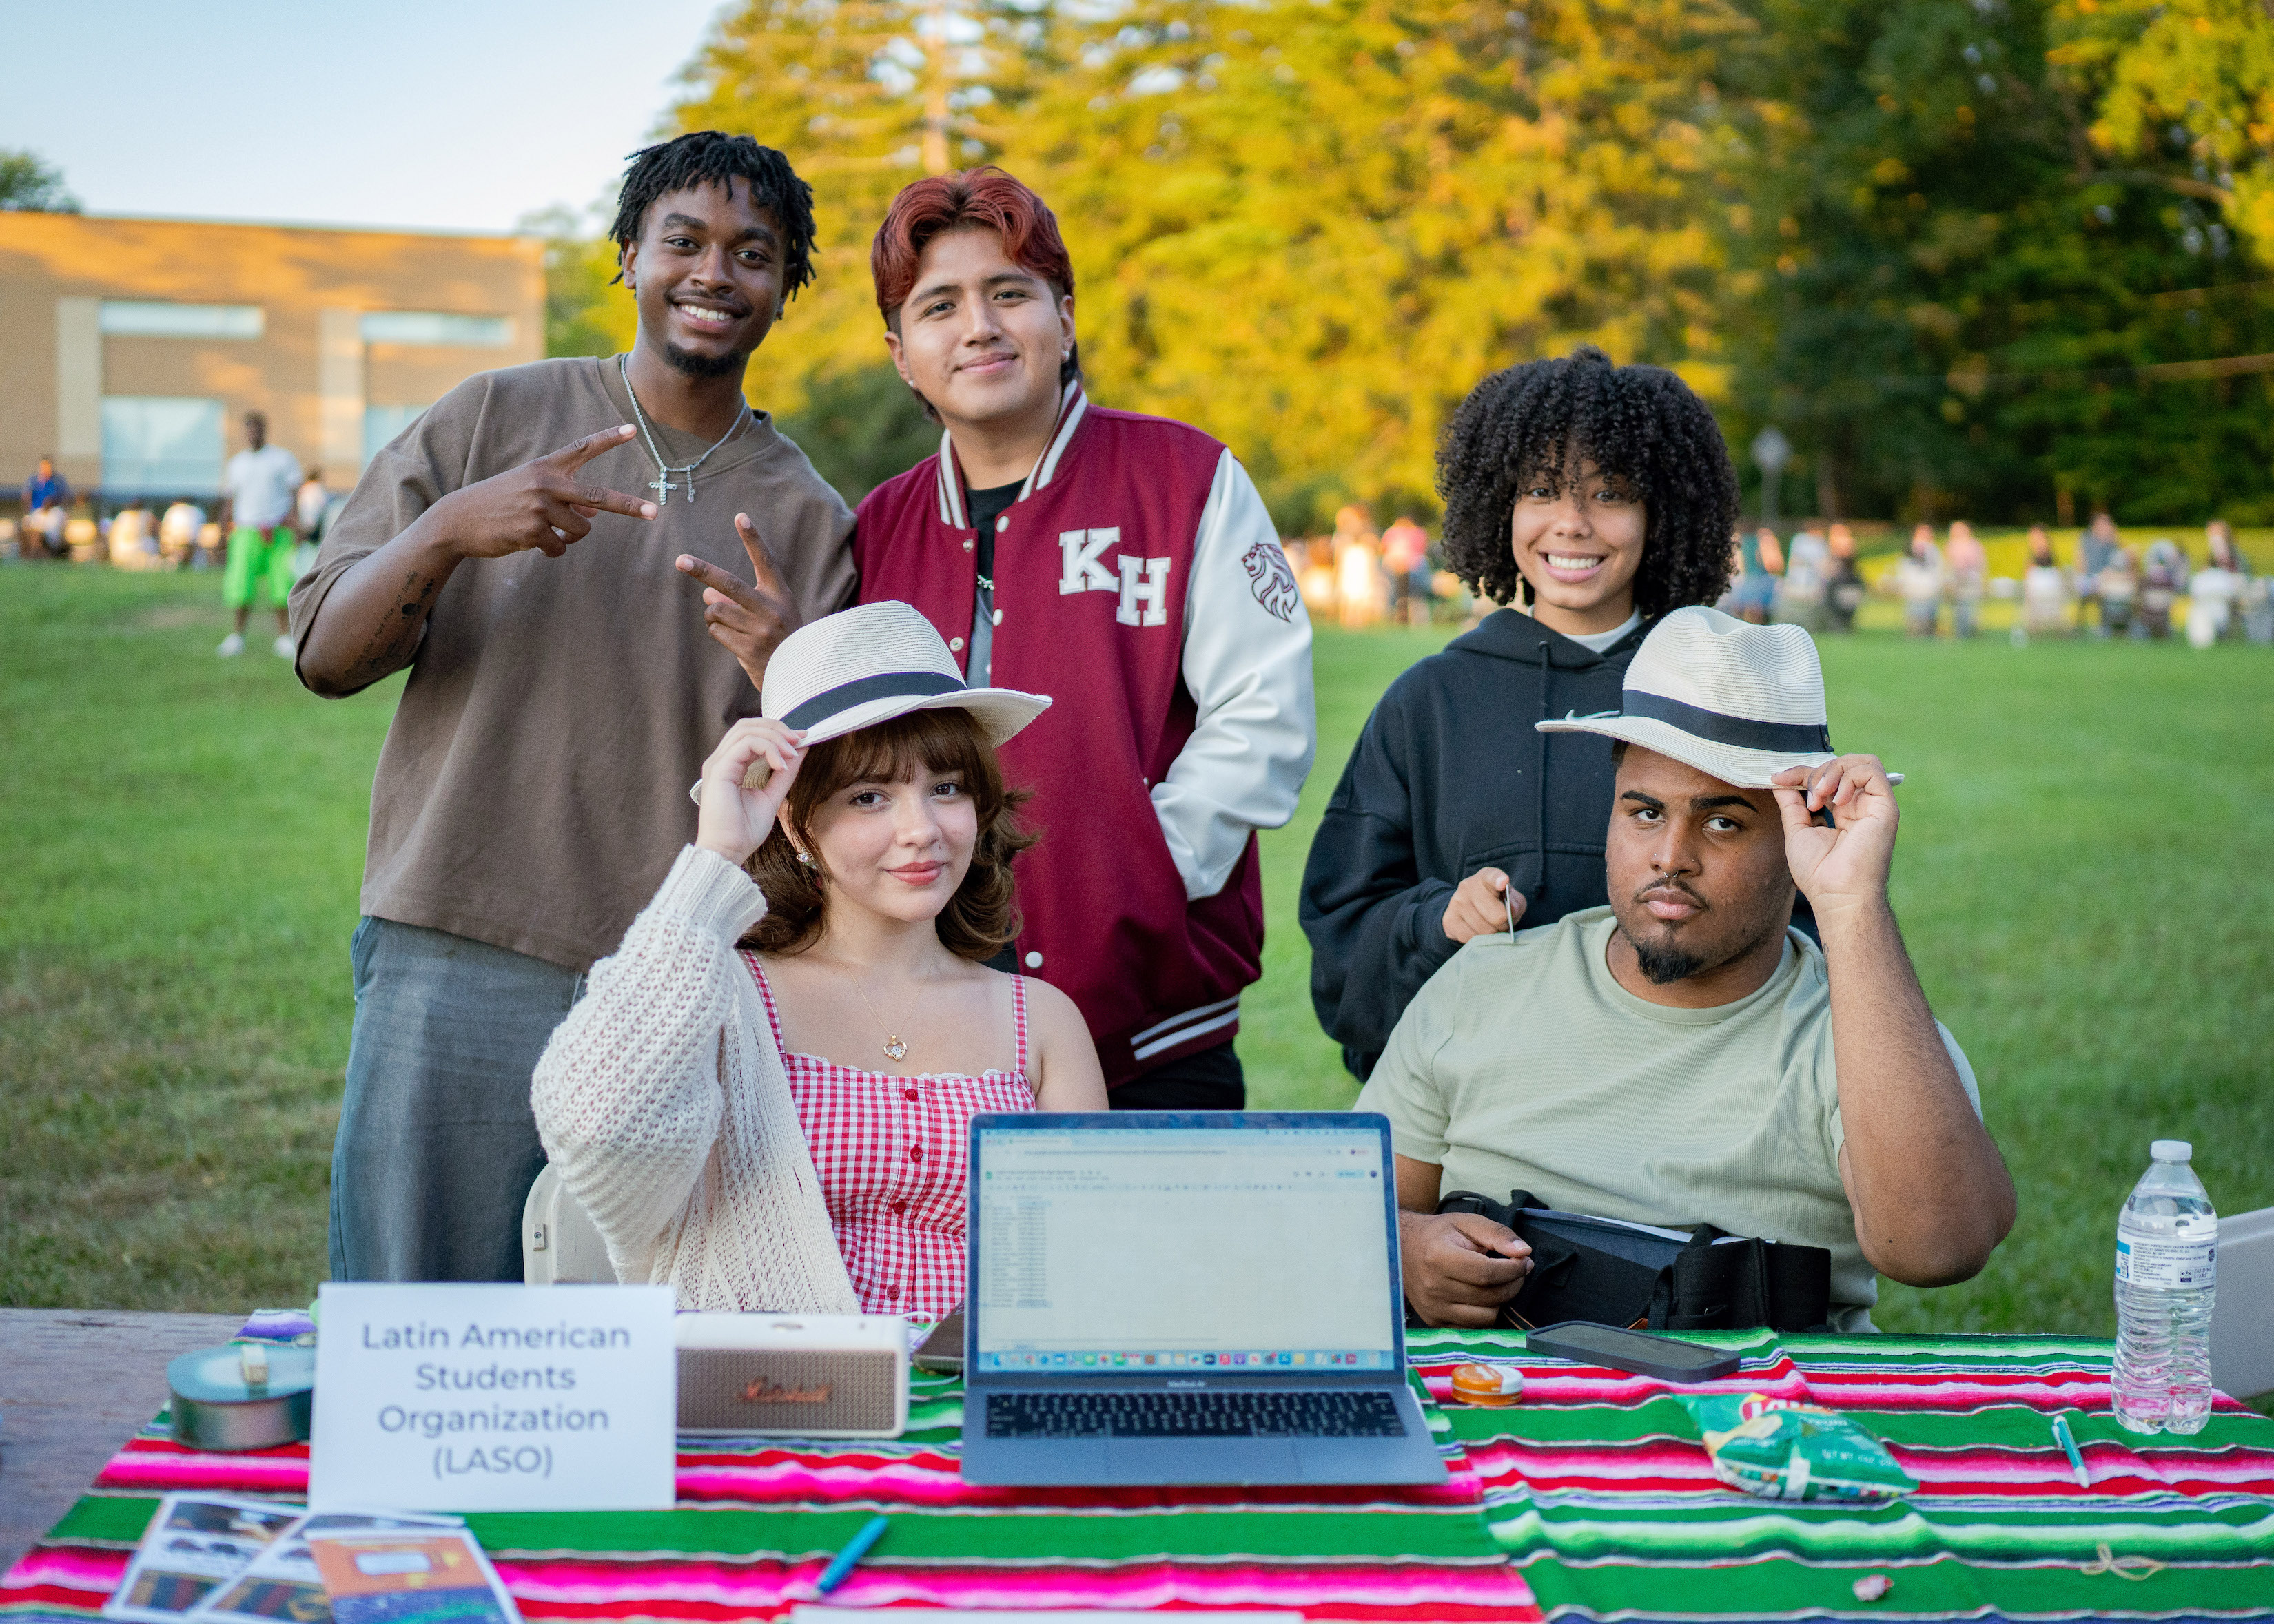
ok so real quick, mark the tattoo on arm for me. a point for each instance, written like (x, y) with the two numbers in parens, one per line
(396, 638)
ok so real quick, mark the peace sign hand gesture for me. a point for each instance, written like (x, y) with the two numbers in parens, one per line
(744, 783)
(543, 504)
(748, 621)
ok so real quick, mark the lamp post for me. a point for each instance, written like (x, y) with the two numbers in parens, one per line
(1771, 452)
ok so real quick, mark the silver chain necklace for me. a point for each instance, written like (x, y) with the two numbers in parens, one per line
(662, 484)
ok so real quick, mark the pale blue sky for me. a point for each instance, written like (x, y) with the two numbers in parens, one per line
(454, 115)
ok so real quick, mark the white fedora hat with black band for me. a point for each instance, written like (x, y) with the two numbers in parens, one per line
(1741, 702)
(861, 666)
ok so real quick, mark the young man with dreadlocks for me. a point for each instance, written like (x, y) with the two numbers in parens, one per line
(1604, 495)
(1124, 566)
(557, 705)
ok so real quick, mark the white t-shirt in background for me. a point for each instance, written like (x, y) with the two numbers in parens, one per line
(261, 485)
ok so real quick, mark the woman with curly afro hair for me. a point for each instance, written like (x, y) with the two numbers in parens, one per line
(1604, 495)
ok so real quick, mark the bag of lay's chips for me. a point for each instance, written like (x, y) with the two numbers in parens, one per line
(1782, 1450)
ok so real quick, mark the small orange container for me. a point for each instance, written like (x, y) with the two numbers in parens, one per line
(1494, 1387)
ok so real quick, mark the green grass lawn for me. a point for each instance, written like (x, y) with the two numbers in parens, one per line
(2083, 878)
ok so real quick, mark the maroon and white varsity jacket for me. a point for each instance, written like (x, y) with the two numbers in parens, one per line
(1140, 583)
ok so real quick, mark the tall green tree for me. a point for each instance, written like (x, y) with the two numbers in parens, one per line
(1306, 225)
(585, 312)
(2183, 98)
(29, 182)
(864, 95)
(1952, 303)
(1311, 226)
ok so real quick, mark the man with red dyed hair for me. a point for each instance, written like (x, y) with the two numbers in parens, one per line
(1124, 566)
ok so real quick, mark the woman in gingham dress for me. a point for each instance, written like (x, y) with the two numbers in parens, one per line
(765, 1098)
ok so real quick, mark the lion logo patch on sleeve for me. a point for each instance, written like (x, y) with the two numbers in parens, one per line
(1272, 579)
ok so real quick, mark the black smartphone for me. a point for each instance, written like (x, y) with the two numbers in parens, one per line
(1663, 1356)
(942, 1352)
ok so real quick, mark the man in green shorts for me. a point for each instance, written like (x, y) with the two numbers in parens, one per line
(256, 513)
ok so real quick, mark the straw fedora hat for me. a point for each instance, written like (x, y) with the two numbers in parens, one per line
(1739, 701)
(861, 666)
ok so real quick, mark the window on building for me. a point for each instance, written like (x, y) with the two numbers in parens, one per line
(435, 326)
(158, 445)
(383, 424)
(149, 319)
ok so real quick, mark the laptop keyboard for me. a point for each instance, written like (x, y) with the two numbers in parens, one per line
(1323, 1413)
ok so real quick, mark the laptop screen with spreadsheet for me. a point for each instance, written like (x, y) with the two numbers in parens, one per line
(1118, 1250)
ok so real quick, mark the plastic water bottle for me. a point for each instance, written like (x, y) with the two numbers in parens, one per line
(2167, 1275)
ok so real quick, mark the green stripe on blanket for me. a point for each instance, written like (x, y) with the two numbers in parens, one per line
(1099, 1535)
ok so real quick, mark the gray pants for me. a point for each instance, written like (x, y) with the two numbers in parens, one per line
(437, 1146)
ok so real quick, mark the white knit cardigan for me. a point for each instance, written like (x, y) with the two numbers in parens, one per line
(662, 1101)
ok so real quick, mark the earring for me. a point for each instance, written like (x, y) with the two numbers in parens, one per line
(806, 858)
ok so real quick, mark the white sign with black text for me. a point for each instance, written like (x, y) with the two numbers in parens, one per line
(494, 1398)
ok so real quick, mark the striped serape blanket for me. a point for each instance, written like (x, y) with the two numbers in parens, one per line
(1597, 1486)
(758, 1519)
(1591, 1499)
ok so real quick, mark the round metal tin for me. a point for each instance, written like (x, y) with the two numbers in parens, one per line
(213, 1407)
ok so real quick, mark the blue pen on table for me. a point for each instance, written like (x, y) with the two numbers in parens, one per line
(2062, 1437)
(846, 1560)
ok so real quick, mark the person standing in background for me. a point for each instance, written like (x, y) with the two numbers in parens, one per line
(1360, 589)
(1966, 568)
(309, 503)
(133, 538)
(1405, 556)
(1126, 566)
(2116, 586)
(1919, 579)
(256, 513)
(2213, 595)
(2163, 579)
(46, 488)
(47, 501)
(1807, 566)
(2218, 538)
(1760, 561)
(575, 652)
(2095, 551)
(2044, 591)
(2249, 603)
(177, 533)
(1843, 588)
(2253, 618)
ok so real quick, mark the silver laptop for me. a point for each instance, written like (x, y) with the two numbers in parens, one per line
(1187, 1297)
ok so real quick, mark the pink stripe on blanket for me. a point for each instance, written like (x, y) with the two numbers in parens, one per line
(700, 1590)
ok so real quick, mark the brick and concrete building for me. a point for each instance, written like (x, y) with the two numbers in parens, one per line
(130, 350)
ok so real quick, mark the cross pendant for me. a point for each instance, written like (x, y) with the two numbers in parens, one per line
(663, 488)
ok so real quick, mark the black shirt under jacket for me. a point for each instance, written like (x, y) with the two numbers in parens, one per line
(1449, 778)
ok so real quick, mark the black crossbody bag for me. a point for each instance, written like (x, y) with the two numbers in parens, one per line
(1609, 1272)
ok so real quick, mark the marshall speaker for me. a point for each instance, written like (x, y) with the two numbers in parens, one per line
(805, 1375)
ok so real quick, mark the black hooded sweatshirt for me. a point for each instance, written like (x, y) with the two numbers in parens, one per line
(1449, 777)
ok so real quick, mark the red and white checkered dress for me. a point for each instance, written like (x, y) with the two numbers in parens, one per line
(891, 1153)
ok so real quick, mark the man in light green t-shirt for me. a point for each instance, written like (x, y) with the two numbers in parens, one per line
(1683, 1057)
